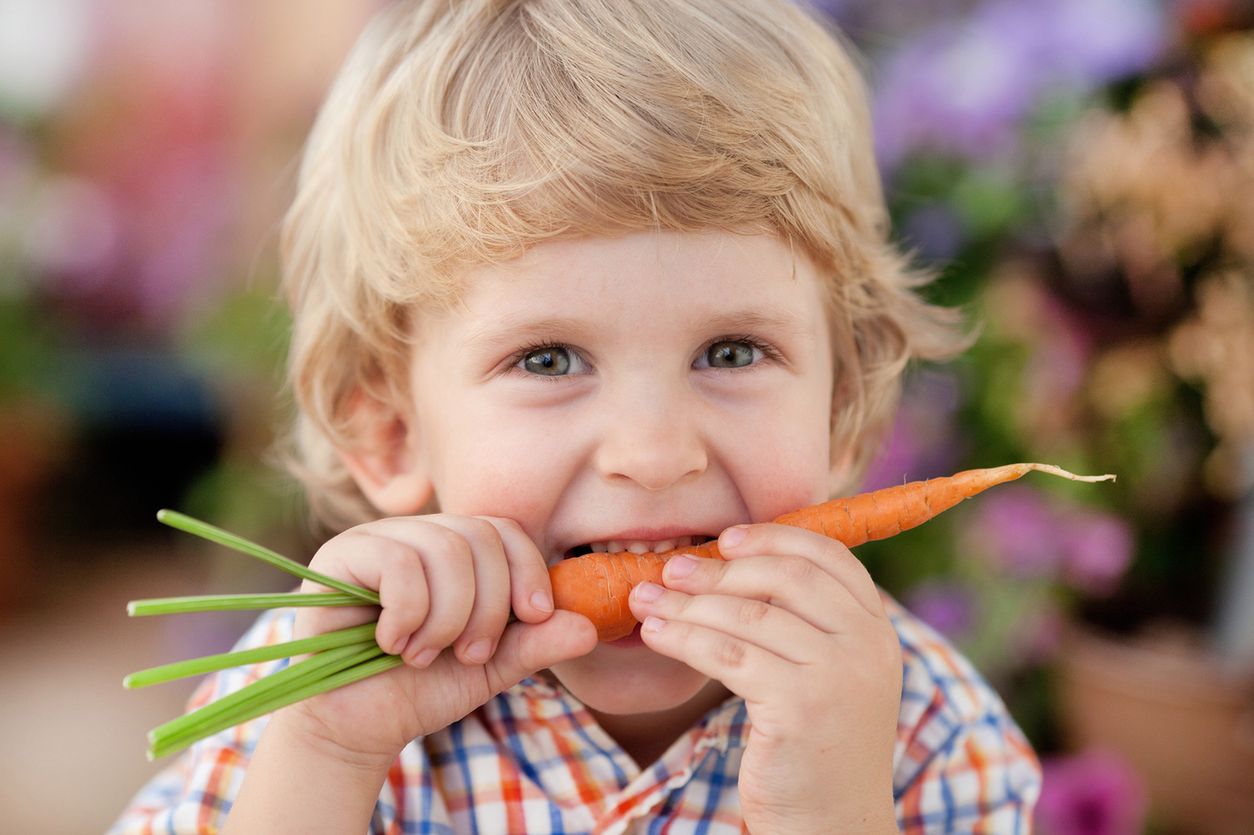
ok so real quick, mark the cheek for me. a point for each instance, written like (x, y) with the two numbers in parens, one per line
(788, 460)
(483, 465)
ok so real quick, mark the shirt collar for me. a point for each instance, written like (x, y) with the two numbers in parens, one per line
(724, 728)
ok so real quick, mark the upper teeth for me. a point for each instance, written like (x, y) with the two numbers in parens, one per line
(638, 546)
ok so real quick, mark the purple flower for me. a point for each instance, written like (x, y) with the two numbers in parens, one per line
(947, 607)
(1023, 534)
(963, 86)
(1098, 549)
(1091, 42)
(1015, 529)
(1093, 793)
(953, 90)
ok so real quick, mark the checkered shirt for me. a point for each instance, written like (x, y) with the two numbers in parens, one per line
(533, 760)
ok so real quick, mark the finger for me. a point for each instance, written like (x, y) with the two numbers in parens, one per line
(448, 569)
(793, 583)
(531, 593)
(527, 648)
(751, 621)
(744, 668)
(376, 562)
(830, 555)
(490, 610)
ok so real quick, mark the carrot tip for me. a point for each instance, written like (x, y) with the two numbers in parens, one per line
(1059, 471)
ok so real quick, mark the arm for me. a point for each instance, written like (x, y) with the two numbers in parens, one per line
(295, 783)
(446, 585)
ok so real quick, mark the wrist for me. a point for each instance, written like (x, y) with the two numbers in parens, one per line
(295, 731)
(299, 781)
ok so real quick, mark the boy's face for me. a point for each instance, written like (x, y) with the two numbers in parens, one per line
(630, 390)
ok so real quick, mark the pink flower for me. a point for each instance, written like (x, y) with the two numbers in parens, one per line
(945, 606)
(1092, 793)
(1098, 550)
(1016, 530)
(1021, 532)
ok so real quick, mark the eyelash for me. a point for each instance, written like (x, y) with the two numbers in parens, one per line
(521, 354)
(769, 353)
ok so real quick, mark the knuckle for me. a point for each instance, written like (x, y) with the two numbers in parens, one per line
(447, 542)
(392, 553)
(797, 571)
(834, 550)
(490, 612)
(752, 612)
(442, 631)
(838, 555)
(502, 523)
(481, 531)
(730, 653)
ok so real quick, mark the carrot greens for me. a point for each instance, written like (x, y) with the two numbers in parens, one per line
(335, 658)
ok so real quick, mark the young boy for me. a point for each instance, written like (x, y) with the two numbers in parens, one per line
(607, 275)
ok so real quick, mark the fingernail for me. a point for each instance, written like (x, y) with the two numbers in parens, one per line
(478, 651)
(652, 624)
(398, 646)
(648, 592)
(679, 567)
(542, 601)
(424, 658)
(733, 536)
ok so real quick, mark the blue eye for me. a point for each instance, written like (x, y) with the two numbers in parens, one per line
(731, 353)
(549, 361)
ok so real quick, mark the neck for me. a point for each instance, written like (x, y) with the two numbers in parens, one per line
(646, 736)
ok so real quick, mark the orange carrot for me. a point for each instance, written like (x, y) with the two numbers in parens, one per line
(598, 585)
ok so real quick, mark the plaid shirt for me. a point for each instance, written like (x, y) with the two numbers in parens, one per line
(533, 760)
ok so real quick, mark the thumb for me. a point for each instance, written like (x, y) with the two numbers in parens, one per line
(527, 648)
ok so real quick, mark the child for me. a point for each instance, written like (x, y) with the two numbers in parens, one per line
(607, 275)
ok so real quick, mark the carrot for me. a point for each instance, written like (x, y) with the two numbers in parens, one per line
(598, 585)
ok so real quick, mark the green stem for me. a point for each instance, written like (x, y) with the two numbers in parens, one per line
(215, 534)
(364, 666)
(293, 676)
(271, 652)
(237, 602)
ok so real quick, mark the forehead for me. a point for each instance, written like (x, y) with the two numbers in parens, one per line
(647, 275)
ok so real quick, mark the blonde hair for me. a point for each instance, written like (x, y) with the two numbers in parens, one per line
(459, 134)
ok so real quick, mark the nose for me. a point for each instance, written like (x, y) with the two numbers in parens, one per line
(651, 438)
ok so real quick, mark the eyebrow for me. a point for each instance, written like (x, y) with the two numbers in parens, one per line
(511, 328)
(755, 320)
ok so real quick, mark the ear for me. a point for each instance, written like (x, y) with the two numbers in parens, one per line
(383, 459)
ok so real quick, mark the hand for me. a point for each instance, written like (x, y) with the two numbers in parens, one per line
(792, 623)
(447, 585)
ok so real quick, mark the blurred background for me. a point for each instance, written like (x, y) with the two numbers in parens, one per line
(1081, 173)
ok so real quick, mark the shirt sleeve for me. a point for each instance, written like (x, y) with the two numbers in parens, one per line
(194, 794)
(962, 765)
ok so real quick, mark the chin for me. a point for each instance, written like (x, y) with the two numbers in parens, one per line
(629, 678)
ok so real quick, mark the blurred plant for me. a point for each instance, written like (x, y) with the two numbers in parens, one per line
(1087, 198)
(1156, 212)
(965, 85)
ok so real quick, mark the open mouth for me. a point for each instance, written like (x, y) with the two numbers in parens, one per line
(636, 546)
